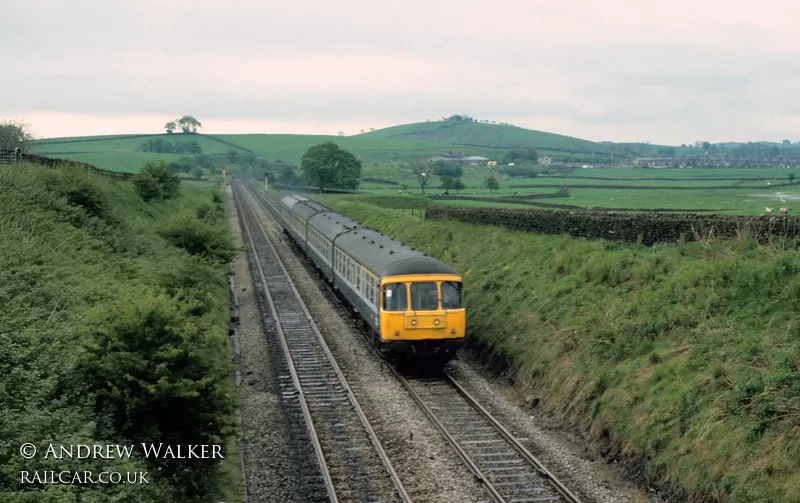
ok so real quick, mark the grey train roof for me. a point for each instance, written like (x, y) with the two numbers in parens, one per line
(376, 251)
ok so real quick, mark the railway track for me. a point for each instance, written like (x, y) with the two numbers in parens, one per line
(508, 470)
(353, 465)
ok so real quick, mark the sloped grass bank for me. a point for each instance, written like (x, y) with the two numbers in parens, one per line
(684, 358)
(113, 330)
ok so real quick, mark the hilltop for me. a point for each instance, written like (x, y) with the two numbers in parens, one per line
(496, 136)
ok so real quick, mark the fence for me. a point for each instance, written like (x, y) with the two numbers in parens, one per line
(10, 156)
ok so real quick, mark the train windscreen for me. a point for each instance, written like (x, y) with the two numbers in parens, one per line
(424, 297)
(394, 297)
(451, 295)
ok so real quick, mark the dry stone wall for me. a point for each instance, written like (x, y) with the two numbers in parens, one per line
(634, 227)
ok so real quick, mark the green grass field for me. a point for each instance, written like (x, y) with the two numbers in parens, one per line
(386, 154)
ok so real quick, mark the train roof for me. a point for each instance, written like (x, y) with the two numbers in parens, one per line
(386, 257)
(290, 201)
(377, 252)
(304, 207)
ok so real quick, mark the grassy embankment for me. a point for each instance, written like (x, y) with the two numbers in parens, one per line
(685, 357)
(113, 330)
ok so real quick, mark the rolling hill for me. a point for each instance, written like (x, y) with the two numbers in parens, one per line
(495, 136)
(409, 142)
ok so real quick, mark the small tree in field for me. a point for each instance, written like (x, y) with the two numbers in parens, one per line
(492, 184)
(458, 185)
(448, 183)
(420, 173)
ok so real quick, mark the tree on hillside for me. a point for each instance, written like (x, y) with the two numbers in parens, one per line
(791, 177)
(189, 124)
(156, 181)
(787, 142)
(458, 185)
(444, 168)
(328, 166)
(492, 184)
(170, 127)
(15, 134)
(420, 172)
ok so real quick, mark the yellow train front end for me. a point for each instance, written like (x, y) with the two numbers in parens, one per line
(422, 314)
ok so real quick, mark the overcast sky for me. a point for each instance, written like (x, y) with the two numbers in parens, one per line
(622, 70)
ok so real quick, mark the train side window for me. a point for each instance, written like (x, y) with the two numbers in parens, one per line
(424, 297)
(451, 295)
(394, 297)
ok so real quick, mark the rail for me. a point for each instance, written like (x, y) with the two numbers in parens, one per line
(330, 408)
(509, 472)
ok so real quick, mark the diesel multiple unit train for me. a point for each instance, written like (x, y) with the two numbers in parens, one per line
(409, 303)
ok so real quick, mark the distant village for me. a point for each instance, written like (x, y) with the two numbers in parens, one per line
(642, 162)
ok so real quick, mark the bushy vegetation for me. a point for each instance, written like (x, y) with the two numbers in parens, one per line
(109, 334)
(328, 166)
(162, 146)
(684, 358)
(156, 181)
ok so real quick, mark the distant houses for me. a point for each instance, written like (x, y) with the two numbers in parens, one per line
(715, 162)
(473, 160)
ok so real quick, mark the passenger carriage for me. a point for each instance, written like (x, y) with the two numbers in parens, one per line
(409, 302)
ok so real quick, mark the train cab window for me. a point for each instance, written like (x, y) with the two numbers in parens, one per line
(394, 297)
(424, 297)
(451, 295)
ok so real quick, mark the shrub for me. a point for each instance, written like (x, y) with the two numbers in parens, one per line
(160, 374)
(198, 237)
(157, 181)
(80, 190)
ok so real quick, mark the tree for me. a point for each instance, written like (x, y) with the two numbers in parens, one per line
(170, 127)
(447, 183)
(492, 184)
(420, 172)
(706, 145)
(458, 185)
(288, 176)
(774, 151)
(189, 124)
(328, 166)
(156, 181)
(15, 134)
(444, 168)
(786, 142)
(791, 177)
